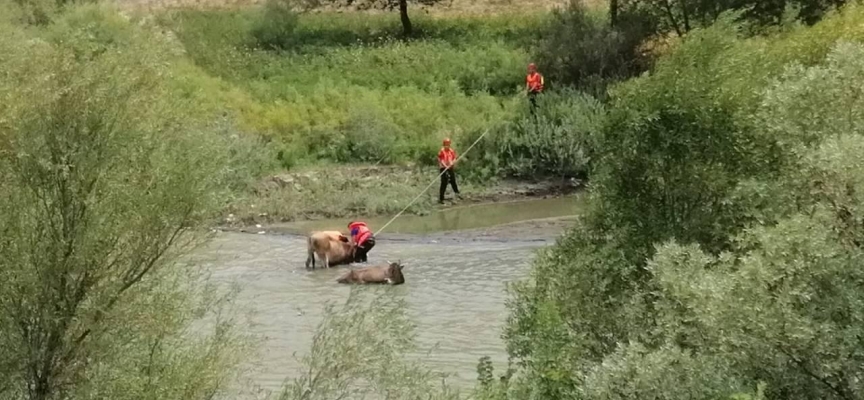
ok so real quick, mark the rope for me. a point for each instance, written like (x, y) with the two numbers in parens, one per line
(386, 153)
(430, 184)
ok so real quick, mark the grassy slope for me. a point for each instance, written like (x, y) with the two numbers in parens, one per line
(345, 81)
(346, 92)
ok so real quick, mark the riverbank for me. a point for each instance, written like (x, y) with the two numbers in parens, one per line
(340, 192)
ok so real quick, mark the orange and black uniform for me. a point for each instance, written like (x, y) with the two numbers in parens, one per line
(535, 82)
(446, 158)
(363, 239)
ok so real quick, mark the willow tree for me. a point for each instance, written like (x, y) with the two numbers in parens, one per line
(104, 182)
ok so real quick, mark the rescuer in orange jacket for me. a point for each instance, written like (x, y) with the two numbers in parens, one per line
(363, 239)
(446, 159)
(534, 85)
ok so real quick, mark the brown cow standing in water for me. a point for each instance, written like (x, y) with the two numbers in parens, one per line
(390, 273)
(331, 246)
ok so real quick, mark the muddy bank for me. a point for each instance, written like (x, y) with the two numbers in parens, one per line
(541, 230)
(526, 220)
(368, 192)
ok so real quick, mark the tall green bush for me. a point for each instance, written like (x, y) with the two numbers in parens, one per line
(359, 349)
(579, 47)
(678, 143)
(784, 310)
(684, 16)
(274, 28)
(104, 182)
(559, 141)
(723, 234)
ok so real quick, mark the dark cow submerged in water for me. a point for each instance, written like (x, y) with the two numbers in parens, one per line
(390, 273)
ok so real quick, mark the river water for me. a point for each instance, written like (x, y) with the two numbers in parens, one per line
(455, 282)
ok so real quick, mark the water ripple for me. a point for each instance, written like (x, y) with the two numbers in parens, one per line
(455, 293)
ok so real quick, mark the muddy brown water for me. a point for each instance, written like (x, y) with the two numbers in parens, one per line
(456, 268)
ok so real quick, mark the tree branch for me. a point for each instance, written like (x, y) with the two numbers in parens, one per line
(802, 365)
(148, 266)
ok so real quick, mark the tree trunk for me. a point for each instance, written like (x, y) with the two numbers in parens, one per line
(685, 15)
(407, 29)
(671, 16)
(613, 12)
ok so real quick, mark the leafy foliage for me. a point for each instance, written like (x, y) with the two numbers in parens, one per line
(104, 179)
(559, 141)
(787, 306)
(580, 47)
(665, 373)
(720, 257)
(359, 349)
(674, 150)
(682, 17)
(275, 27)
(346, 90)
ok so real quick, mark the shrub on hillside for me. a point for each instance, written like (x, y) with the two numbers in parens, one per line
(682, 17)
(807, 105)
(783, 308)
(365, 137)
(359, 350)
(678, 142)
(274, 27)
(559, 142)
(104, 181)
(725, 226)
(579, 47)
(635, 372)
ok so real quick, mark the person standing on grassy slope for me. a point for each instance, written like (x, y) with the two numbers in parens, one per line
(363, 239)
(534, 82)
(446, 159)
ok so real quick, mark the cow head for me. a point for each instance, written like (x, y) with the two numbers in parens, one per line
(395, 272)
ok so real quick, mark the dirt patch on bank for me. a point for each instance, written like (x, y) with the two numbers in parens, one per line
(502, 190)
(513, 190)
(372, 191)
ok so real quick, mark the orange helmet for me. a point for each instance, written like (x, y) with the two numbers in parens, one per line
(446, 141)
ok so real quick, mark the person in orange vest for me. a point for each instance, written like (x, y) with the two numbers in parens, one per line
(446, 159)
(362, 238)
(534, 85)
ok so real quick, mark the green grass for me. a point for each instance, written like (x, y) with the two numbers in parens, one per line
(344, 88)
(326, 90)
